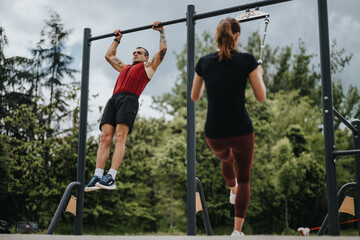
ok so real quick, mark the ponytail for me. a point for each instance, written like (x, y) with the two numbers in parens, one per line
(225, 37)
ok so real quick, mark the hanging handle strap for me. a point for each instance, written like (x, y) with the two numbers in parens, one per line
(260, 61)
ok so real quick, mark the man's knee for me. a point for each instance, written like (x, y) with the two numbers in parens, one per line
(121, 134)
(105, 137)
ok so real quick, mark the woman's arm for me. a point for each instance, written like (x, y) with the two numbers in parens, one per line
(257, 84)
(197, 88)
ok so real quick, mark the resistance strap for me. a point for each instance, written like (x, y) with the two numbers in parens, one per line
(267, 20)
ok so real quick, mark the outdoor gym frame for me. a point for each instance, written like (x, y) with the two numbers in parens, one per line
(191, 17)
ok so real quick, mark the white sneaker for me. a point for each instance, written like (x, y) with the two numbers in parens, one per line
(232, 196)
(237, 234)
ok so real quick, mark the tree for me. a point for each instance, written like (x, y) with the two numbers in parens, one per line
(38, 74)
(33, 178)
(13, 77)
(297, 138)
(50, 49)
(170, 174)
(302, 183)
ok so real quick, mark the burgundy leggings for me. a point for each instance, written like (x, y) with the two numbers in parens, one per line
(239, 150)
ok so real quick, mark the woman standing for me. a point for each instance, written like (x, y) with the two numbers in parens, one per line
(228, 128)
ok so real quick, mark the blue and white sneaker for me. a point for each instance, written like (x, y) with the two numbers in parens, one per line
(92, 184)
(107, 182)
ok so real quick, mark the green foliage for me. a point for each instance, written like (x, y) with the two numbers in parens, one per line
(40, 160)
(38, 169)
(38, 157)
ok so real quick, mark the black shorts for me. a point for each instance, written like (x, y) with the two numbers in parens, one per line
(121, 108)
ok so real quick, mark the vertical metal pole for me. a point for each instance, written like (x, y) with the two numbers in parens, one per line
(331, 181)
(356, 137)
(191, 170)
(78, 226)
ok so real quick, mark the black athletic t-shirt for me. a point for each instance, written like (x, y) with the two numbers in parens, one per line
(225, 84)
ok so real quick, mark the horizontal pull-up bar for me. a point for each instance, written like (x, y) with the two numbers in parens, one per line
(197, 16)
(346, 152)
(138, 29)
(344, 121)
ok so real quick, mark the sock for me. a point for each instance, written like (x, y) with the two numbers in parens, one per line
(113, 173)
(99, 172)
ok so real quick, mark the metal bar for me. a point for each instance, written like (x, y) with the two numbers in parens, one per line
(340, 197)
(356, 139)
(331, 178)
(324, 226)
(62, 205)
(138, 29)
(344, 121)
(191, 149)
(78, 226)
(198, 16)
(355, 152)
(237, 8)
(205, 213)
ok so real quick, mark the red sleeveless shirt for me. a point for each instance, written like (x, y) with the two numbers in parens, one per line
(132, 79)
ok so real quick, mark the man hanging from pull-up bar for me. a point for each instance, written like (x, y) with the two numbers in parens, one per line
(121, 109)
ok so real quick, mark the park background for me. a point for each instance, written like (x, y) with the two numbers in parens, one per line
(40, 55)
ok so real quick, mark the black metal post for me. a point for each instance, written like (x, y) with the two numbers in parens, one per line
(62, 206)
(205, 213)
(78, 226)
(331, 178)
(191, 149)
(356, 137)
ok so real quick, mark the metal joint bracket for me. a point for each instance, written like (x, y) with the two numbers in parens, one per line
(252, 15)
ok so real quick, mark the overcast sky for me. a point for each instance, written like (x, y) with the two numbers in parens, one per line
(290, 21)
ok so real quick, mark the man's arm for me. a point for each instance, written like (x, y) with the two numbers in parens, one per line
(154, 63)
(110, 55)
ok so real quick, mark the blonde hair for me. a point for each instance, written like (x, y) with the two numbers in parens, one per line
(225, 37)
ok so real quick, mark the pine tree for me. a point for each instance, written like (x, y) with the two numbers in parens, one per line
(14, 75)
(50, 50)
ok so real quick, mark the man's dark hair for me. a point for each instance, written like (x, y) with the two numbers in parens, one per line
(146, 51)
